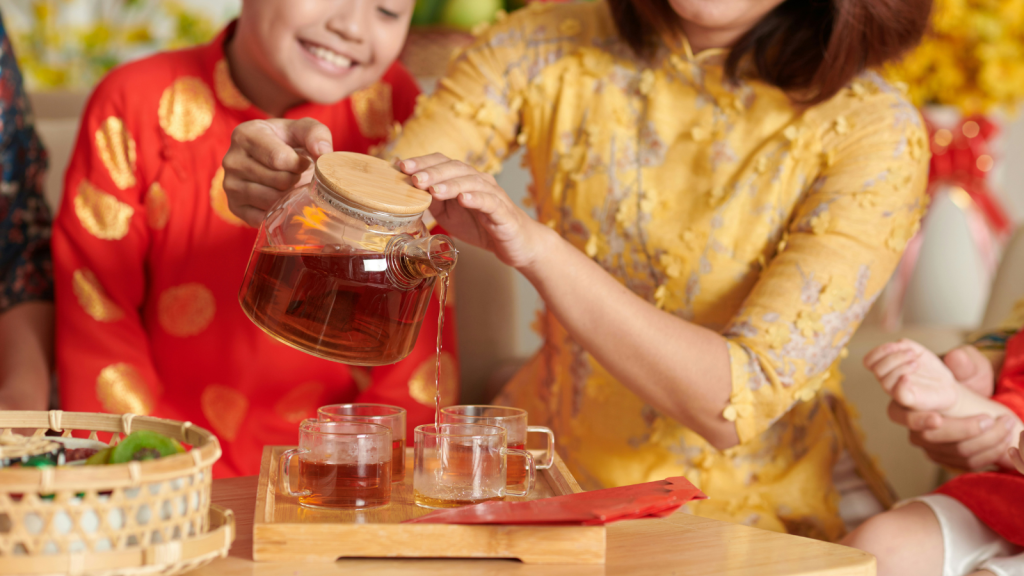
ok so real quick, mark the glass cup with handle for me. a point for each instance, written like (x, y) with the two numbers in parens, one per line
(391, 416)
(341, 465)
(513, 420)
(461, 464)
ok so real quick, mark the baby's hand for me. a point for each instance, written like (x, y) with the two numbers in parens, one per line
(1016, 453)
(914, 376)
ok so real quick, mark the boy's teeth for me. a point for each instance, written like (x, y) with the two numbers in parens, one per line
(330, 56)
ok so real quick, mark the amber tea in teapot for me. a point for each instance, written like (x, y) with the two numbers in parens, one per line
(343, 268)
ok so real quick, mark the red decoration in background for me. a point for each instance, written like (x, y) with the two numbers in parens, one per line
(961, 157)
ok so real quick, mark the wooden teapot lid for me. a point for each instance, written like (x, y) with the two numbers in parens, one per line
(371, 183)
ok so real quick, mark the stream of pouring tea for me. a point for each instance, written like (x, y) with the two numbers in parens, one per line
(437, 369)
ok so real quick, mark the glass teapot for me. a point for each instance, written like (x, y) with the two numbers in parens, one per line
(343, 267)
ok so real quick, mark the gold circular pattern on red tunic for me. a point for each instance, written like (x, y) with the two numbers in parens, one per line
(158, 208)
(93, 298)
(224, 86)
(421, 383)
(102, 214)
(225, 409)
(121, 389)
(186, 310)
(219, 200)
(186, 109)
(372, 109)
(300, 402)
(116, 149)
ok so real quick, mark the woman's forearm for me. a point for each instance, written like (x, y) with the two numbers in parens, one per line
(26, 356)
(679, 368)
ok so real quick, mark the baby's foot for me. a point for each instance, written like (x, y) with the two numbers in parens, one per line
(914, 376)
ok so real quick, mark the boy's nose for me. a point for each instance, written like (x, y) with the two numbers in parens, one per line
(350, 18)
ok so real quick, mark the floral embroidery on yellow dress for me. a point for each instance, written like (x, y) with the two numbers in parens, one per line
(724, 204)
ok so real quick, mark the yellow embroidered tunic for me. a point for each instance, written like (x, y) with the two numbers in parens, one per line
(726, 205)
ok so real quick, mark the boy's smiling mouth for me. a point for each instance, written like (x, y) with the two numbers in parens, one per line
(327, 58)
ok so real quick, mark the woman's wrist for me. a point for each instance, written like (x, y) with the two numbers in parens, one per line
(544, 247)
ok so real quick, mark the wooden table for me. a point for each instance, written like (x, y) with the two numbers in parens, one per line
(681, 545)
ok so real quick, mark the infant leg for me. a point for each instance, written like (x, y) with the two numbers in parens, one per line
(907, 541)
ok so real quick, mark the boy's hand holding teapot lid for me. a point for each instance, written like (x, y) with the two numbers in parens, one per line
(268, 158)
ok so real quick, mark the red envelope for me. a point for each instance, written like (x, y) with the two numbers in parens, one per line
(650, 500)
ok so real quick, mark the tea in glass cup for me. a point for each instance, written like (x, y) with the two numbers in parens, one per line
(341, 465)
(513, 420)
(460, 464)
(391, 416)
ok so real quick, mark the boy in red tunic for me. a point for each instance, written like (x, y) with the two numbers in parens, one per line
(148, 258)
(973, 524)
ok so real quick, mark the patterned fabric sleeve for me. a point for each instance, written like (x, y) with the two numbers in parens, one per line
(995, 341)
(474, 113)
(844, 239)
(100, 244)
(25, 270)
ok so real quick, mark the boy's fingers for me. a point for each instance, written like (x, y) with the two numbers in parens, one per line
(312, 135)
(248, 169)
(269, 143)
(248, 193)
(250, 215)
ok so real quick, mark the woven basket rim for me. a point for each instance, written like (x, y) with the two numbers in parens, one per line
(152, 559)
(205, 451)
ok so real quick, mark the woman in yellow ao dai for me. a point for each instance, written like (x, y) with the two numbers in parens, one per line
(726, 205)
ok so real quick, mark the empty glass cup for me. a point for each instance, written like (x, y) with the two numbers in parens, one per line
(459, 464)
(513, 420)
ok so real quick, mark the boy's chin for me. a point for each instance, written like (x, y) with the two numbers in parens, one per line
(327, 93)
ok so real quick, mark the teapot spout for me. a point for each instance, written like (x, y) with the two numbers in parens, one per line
(441, 253)
(411, 260)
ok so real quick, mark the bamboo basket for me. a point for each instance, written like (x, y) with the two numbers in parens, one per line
(132, 519)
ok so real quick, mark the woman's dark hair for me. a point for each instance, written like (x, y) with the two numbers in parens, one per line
(809, 48)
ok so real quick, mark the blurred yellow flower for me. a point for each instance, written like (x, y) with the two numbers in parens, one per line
(972, 57)
(71, 44)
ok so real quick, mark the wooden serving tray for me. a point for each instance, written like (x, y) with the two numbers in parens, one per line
(284, 531)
